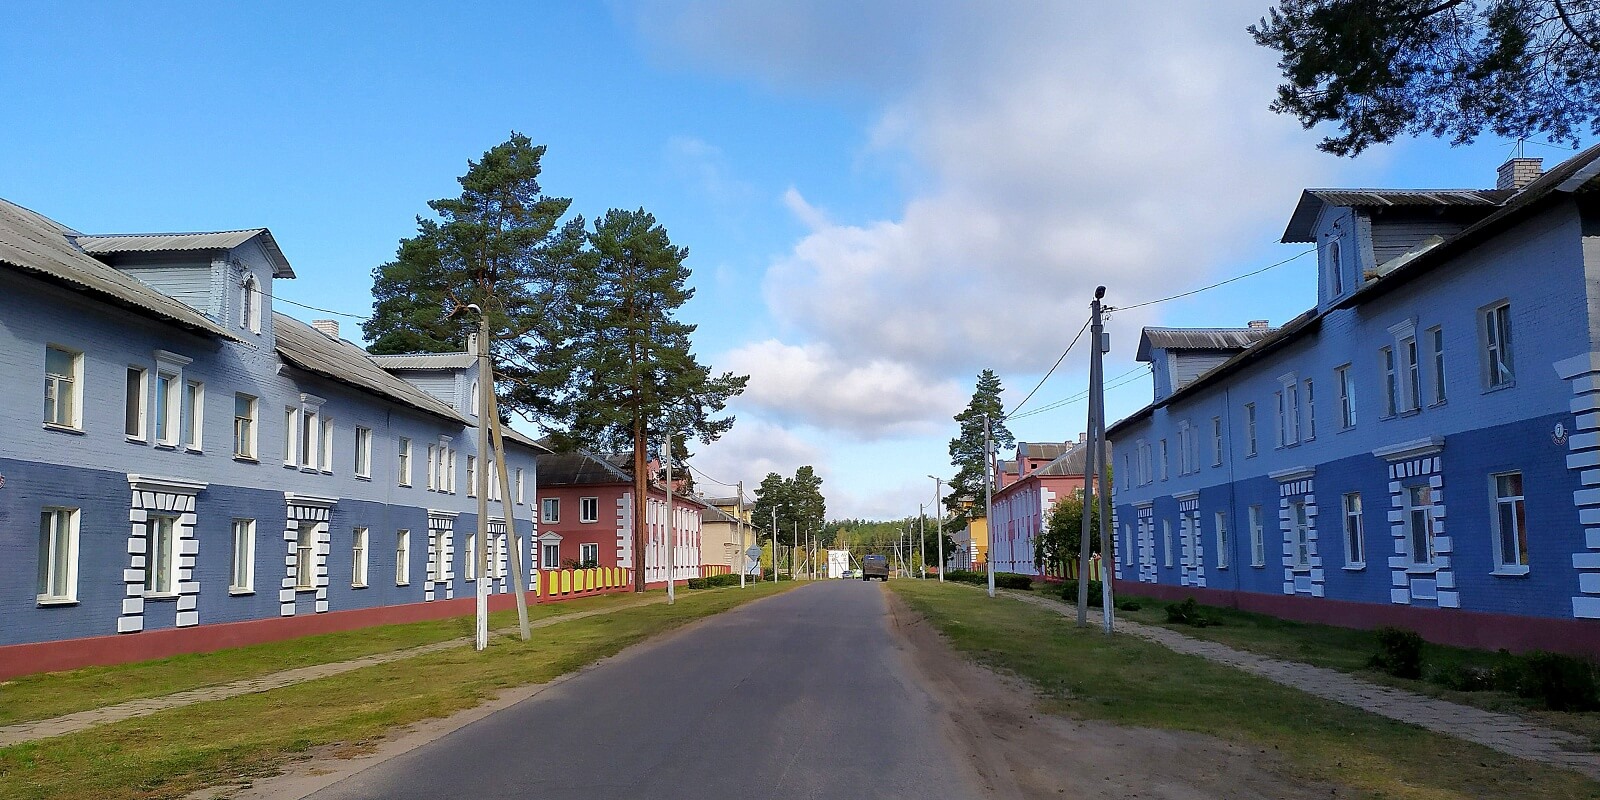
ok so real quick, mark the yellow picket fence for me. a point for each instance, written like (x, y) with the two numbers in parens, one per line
(563, 582)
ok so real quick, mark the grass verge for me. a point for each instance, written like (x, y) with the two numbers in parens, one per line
(1128, 681)
(55, 693)
(1347, 650)
(172, 753)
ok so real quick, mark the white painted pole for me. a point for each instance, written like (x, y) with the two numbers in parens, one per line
(672, 542)
(774, 544)
(988, 501)
(938, 519)
(481, 638)
(739, 559)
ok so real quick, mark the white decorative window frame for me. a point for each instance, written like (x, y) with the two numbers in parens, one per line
(161, 496)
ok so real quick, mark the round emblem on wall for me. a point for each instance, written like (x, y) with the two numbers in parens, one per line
(1559, 435)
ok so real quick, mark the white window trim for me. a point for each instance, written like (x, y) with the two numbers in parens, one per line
(589, 547)
(47, 554)
(1300, 530)
(1183, 447)
(472, 476)
(469, 556)
(75, 408)
(1347, 396)
(402, 557)
(142, 431)
(325, 446)
(1389, 367)
(584, 504)
(403, 458)
(360, 557)
(250, 303)
(196, 414)
(1308, 393)
(545, 506)
(1346, 515)
(1217, 443)
(1495, 349)
(1258, 538)
(519, 486)
(1250, 430)
(545, 561)
(170, 365)
(305, 558)
(1166, 543)
(363, 452)
(1165, 467)
(1410, 510)
(248, 583)
(1500, 567)
(1436, 365)
(1224, 550)
(251, 441)
(152, 527)
(1332, 258)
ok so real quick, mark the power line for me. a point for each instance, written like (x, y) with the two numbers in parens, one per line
(697, 471)
(1047, 375)
(1217, 284)
(1130, 377)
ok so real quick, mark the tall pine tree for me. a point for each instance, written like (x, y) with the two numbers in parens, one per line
(629, 373)
(965, 500)
(500, 245)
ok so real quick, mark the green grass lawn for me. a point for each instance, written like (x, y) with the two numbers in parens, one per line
(55, 693)
(1127, 681)
(1347, 650)
(171, 753)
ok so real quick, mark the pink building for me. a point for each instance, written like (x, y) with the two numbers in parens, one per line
(586, 518)
(1027, 488)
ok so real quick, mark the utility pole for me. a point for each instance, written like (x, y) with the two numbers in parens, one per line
(774, 544)
(485, 387)
(508, 504)
(739, 559)
(922, 539)
(1102, 344)
(672, 543)
(988, 501)
(794, 545)
(1092, 469)
(938, 521)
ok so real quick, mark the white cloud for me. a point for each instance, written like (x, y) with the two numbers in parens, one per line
(817, 385)
(750, 450)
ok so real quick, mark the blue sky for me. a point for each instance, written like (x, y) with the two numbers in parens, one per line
(879, 199)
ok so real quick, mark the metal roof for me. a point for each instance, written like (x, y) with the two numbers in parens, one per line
(1312, 201)
(36, 244)
(420, 361)
(1199, 339)
(312, 350)
(167, 242)
(713, 514)
(1044, 449)
(578, 469)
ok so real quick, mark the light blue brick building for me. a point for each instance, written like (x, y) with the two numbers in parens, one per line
(182, 467)
(1421, 449)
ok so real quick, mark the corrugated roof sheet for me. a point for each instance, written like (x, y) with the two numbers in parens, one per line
(578, 469)
(36, 244)
(410, 361)
(311, 350)
(1045, 449)
(713, 514)
(1199, 339)
(206, 240)
(1312, 201)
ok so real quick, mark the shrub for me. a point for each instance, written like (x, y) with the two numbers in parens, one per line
(1562, 683)
(1012, 580)
(1189, 612)
(1069, 591)
(1464, 678)
(697, 583)
(1399, 653)
(967, 576)
(1129, 605)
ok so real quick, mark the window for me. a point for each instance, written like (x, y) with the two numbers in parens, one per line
(242, 575)
(551, 553)
(551, 510)
(1127, 471)
(291, 436)
(471, 559)
(494, 481)
(1335, 270)
(589, 555)
(402, 558)
(1283, 433)
(161, 563)
(308, 439)
(1144, 463)
(1436, 343)
(194, 408)
(134, 404)
(1311, 410)
(1386, 359)
(58, 555)
(1419, 524)
(363, 452)
(436, 548)
(1511, 525)
(1347, 397)
(519, 486)
(403, 463)
(1355, 537)
(244, 426)
(472, 476)
(1163, 459)
(433, 469)
(1216, 441)
(1183, 448)
(1166, 542)
(588, 509)
(249, 304)
(450, 469)
(477, 401)
(63, 372)
(1497, 345)
(166, 408)
(1411, 398)
(1300, 535)
(305, 558)
(358, 558)
(1250, 428)
(327, 445)
(1224, 547)
(1258, 539)
(1291, 394)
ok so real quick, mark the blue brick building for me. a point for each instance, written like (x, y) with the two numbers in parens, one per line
(1420, 449)
(184, 468)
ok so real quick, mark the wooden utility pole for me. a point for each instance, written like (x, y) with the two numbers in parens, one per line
(509, 504)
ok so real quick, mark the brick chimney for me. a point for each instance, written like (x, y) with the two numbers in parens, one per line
(329, 327)
(1260, 324)
(1083, 437)
(1518, 172)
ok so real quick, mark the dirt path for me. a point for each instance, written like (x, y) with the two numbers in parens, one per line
(1021, 752)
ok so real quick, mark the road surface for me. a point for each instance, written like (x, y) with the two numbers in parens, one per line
(807, 694)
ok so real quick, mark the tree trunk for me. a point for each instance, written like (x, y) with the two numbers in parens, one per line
(641, 487)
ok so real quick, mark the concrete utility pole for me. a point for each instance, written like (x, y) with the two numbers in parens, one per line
(938, 519)
(739, 559)
(1107, 557)
(1094, 492)
(793, 546)
(485, 387)
(988, 500)
(922, 538)
(774, 544)
(508, 504)
(672, 544)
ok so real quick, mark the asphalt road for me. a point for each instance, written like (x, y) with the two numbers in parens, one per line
(802, 695)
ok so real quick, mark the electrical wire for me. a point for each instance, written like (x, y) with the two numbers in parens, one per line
(1047, 375)
(1217, 284)
(1121, 380)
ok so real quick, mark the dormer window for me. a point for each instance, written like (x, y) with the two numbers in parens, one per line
(1335, 270)
(249, 304)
